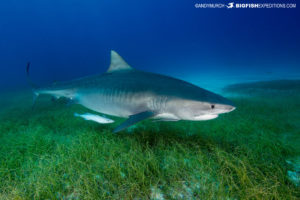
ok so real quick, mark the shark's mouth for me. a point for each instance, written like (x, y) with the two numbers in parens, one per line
(206, 117)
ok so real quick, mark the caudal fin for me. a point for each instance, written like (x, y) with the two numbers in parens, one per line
(33, 86)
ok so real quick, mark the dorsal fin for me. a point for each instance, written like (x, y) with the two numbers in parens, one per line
(117, 63)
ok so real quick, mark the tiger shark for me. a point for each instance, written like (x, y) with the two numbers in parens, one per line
(126, 92)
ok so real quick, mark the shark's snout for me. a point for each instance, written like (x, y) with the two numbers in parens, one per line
(232, 108)
(229, 109)
(227, 105)
(226, 108)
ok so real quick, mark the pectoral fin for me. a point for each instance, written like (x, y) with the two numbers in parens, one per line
(166, 120)
(133, 119)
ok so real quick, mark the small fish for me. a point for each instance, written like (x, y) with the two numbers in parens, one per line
(95, 118)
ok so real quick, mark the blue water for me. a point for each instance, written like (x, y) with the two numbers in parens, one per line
(209, 47)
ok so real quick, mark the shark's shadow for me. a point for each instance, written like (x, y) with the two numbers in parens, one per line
(166, 135)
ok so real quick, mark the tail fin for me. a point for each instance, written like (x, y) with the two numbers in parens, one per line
(28, 76)
(34, 86)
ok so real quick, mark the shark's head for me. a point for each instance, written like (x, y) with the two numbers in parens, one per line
(198, 110)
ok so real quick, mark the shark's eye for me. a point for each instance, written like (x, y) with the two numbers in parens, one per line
(212, 106)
